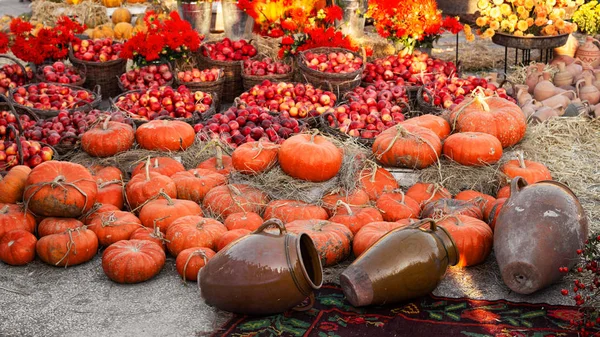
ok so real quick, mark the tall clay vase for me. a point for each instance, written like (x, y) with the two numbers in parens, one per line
(539, 230)
(588, 92)
(405, 263)
(588, 52)
(263, 273)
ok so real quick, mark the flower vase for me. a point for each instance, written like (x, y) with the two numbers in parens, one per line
(197, 13)
(237, 23)
(353, 22)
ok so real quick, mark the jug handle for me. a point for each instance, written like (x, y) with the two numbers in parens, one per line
(269, 223)
(307, 306)
(516, 185)
(425, 221)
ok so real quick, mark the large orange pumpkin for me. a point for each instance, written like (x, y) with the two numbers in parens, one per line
(114, 226)
(191, 260)
(246, 220)
(107, 139)
(193, 231)
(290, 210)
(106, 173)
(473, 148)
(332, 240)
(165, 135)
(529, 170)
(133, 261)
(13, 183)
(355, 217)
(503, 192)
(73, 247)
(254, 157)
(50, 226)
(407, 145)
(111, 192)
(427, 192)
(310, 157)
(473, 238)
(196, 183)
(60, 189)
(143, 187)
(163, 165)
(437, 124)
(17, 247)
(471, 195)
(231, 236)
(96, 211)
(492, 115)
(376, 181)
(150, 234)
(370, 233)
(225, 200)
(14, 217)
(444, 207)
(220, 163)
(358, 197)
(162, 212)
(396, 206)
(121, 15)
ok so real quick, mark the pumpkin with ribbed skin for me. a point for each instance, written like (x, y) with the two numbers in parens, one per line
(163, 165)
(371, 233)
(473, 148)
(231, 236)
(376, 181)
(529, 170)
(191, 260)
(427, 192)
(111, 192)
(255, 157)
(437, 124)
(114, 226)
(97, 210)
(444, 207)
(133, 261)
(310, 157)
(503, 192)
(107, 173)
(473, 238)
(50, 226)
(290, 210)
(407, 145)
(396, 206)
(220, 163)
(196, 183)
(492, 212)
(123, 31)
(13, 183)
(107, 139)
(492, 115)
(243, 220)
(121, 15)
(102, 32)
(358, 197)
(60, 189)
(150, 234)
(228, 199)
(73, 247)
(193, 231)
(17, 247)
(162, 213)
(482, 199)
(142, 187)
(165, 135)
(332, 240)
(14, 217)
(355, 217)
(111, 3)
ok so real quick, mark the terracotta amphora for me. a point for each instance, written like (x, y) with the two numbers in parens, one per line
(588, 52)
(563, 76)
(534, 74)
(405, 263)
(263, 273)
(539, 230)
(588, 92)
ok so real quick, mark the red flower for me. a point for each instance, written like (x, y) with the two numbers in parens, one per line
(355, 320)
(276, 32)
(3, 42)
(481, 316)
(287, 40)
(289, 25)
(452, 25)
(20, 27)
(333, 13)
(566, 315)
(328, 326)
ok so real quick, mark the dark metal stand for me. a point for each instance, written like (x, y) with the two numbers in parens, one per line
(545, 56)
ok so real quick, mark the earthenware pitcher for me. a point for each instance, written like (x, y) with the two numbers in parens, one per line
(405, 263)
(539, 230)
(263, 273)
(562, 77)
(588, 52)
(588, 92)
(534, 74)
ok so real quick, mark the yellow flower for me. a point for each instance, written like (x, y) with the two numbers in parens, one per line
(529, 22)
(518, 33)
(494, 25)
(467, 29)
(482, 21)
(505, 9)
(513, 18)
(495, 13)
(549, 30)
(498, 2)
(522, 25)
(523, 13)
(483, 4)
(553, 17)
(540, 21)
(550, 3)
(529, 4)
(519, 2)
(579, 2)
(505, 25)
(470, 38)
(488, 33)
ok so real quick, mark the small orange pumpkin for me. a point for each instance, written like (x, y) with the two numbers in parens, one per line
(193, 231)
(310, 157)
(50, 226)
(191, 260)
(107, 139)
(427, 192)
(358, 197)
(371, 233)
(396, 205)
(473, 148)
(163, 165)
(407, 145)
(162, 213)
(231, 236)
(17, 247)
(437, 124)
(291, 210)
(254, 157)
(73, 247)
(165, 135)
(196, 183)
(376, 181)
(246, 220)
(114, 226)
(529, 170)
(225, 200)
(133, 261)
(13, 183)
(473, 238)
(355, 217)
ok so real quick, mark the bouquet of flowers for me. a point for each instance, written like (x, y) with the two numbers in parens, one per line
(411, 23)
(525, 17)
(587, 18)
(163, 42)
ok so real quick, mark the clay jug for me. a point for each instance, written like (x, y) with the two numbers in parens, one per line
(588, 52)
(589, 92)
(559, 101)
(545, 88)
(405, 263)
(597, 79)
(539, 230)
(534, 72)
(523, 96)
(263, 273)
(544, 113)
(562, 77)
(569, 48)
(492, 78)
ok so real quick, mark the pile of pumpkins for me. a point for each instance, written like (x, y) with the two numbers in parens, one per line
(120, 28)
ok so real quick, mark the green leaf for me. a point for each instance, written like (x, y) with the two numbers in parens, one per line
(534, 314)
(298, 323)
(514, 311)
(322, 334)
(456, 306)
(453, 316)
(512, 321)
(527, 324)
(435, 315)
(255, 325)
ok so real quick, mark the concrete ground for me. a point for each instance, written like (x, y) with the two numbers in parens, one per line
(14, 7)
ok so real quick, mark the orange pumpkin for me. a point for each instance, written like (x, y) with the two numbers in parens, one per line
(14, 217)
(503, 192)
(60, 189)
(290, 210)
(193, 231)
(97, 210)
(13, 183)
(427, 192)
(162, 212)
(105, 174)
(107, 139)
(133, 261)
(220, 163)
(196, 183)
(123, 31)
(143, 187)
(529, 170)
(395, 206)
(165, 135)
(358, 197)
(492, 115)
(470, 195)
(310, 157)
(231, 236)
(444, 207)
(191, 260)
(437, 124)
(492, 212)
(254, 157)
(17, 247)
(150, 234)
(332, 240)
(407, 145)
(73, 247)
(473, 148)
(114, 226)
(121, 15)
(355, 217)
(376, 181)
(473, 238)
(244, 220)
(225, 200)
(50, 226)
(111, 192)
(163, 165)
(371, 233)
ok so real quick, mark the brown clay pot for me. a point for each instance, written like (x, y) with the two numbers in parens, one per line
(588, 52)
(405, 263)
(539, 230)
(263, 273)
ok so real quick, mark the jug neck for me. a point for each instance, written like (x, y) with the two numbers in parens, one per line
(448, 243)
(309, 275)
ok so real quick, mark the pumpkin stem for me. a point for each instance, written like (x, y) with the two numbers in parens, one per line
(155, 162)
(105, 124)
(148, 169)
(219, 158)
(199, 252)
(70, 245)
(401, 193)
(346, 206)
(166, 196)
(521, 158)
(319, 225)
(313, 135)
(200, 223)
(481, 100)
(4, 209)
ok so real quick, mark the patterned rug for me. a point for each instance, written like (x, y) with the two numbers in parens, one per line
(333, 316)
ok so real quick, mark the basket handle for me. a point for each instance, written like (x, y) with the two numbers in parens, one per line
(97, 91)
(422, 90)
(16, 62)
(11, 129)
(325, 122)
(55, 154)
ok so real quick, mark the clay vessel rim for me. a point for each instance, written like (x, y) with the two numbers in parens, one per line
(318, 271)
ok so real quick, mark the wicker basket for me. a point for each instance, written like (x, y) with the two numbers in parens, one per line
(341, 83)
(23, 69)
(252, 80)
(335, 132)
(169, 83)
(39, 76)
(44, 114)
(427, 108)
(103, 74)
(214, 87)
(232, 74)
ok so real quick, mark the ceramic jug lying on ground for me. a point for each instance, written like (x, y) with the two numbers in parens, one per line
(539, 230)
(263, 273)
(405, 263)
